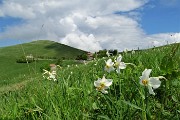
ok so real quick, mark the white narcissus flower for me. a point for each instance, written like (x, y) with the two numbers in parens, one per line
(103, 84)
(49, 75)
(109, 66)
(118, 64)
(150, 82)
(107, 53)
(52, 76)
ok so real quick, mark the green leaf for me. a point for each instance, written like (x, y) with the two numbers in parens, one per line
(132, 105)
(105, 117)
(94, 106)
(174, 99)
(158, 105)
(165, 112)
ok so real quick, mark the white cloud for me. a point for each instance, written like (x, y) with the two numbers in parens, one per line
(163, 39)
(84, 42)
(88, 25)
(17, 10)
(1, 13)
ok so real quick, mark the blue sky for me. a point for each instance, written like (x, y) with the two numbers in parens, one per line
(159, 17)
(9, 21)
(138, 23)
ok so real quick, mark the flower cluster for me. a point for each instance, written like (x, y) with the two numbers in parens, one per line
(50, 75)
(117, 64)
(103, 84)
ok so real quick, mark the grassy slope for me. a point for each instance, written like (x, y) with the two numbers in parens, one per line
(12, 72)
(74, 96)
(41, 48)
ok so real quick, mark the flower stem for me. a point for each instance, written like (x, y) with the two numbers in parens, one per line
(147, 114)
(120, 95)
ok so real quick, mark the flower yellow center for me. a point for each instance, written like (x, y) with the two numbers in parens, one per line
(145, 82)
(102, 85)
(107, 66)
(116, 64)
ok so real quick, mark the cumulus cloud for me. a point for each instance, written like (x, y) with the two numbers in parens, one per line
(89, 25)
(17, 10)
(84, 42)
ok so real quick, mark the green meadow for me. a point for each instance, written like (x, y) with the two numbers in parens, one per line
(46, 51)
(26, 95)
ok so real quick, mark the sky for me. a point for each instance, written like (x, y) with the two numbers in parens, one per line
(91, 25)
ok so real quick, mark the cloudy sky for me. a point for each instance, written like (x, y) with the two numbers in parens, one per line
(91, 25)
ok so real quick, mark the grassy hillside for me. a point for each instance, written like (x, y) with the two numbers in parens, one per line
(41, 48)
(74, 97)
(12, 72)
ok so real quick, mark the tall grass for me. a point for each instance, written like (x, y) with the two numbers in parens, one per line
(73, 95)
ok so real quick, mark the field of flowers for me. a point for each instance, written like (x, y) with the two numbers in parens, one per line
(141, 85)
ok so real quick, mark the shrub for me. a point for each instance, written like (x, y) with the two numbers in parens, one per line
(23, 59)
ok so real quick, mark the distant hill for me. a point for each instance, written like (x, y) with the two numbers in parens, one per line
(41, 48)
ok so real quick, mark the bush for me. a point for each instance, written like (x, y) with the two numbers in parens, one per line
(59, 61)
(23, 59)
(82, 57)
(101, 53)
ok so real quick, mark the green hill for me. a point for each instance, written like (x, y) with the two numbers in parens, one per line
(41, 48)
(11, 71)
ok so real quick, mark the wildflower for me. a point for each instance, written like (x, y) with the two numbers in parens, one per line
(133, 52)
(107, 53)
(52, 76)
(102, 84)
(109, 66)
(49, 75)
(119, 65)
(59, 66)
(150, 82)
(84, 62)
(125, 50)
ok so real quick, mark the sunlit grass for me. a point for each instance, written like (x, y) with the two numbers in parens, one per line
(74, 96)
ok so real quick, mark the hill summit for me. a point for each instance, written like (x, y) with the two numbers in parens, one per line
(41, 48)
